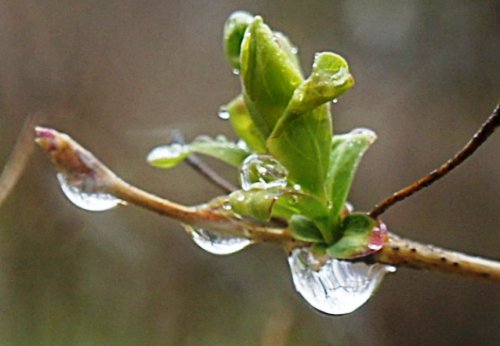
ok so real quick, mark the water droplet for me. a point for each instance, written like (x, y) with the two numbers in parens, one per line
(242, 145)
(215, 243)
(226, 206)
(223, 113)
(167, 152)
(361, 131)
(236, 71)
(84, 193)
(297, 187)
(335, 101)
(336, 287)
(262, 172)
(349, 207)
(294, 50)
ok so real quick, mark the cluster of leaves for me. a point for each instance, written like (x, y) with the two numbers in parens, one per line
(284, 119)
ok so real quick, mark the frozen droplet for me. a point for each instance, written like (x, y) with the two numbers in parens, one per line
(262, 172)
(361, 131)
(83, 192)
(336, 287)
(349, 207)
(242, 145)
(226, 206)
(167, 152)
(223, 113)
(217, 243)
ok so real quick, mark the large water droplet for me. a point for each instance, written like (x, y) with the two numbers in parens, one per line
(335, 287)
(223, 113)
(262, 172)
(84, 194)
(215, 243)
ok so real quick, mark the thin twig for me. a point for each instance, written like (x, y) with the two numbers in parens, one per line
(71, 158)
(204, 169)
(486, 130)
(18, 158)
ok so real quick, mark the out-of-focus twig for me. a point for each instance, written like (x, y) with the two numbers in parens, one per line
(204, 169)
(71, 158)
(484, 132)
(18, 158)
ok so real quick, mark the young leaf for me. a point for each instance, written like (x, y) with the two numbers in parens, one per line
(234, 30)
(255, 203)
(269, 76)
(304, 228)
(329, 79)
(167, 156)
(355, 239)
(302, 144)
(288, 48)
(347, 150)
(298, 203)
(244, 126)
(301, 138)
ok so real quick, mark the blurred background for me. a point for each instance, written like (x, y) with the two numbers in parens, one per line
(119, 76)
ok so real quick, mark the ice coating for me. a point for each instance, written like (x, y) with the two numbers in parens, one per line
(335, 287)
(217, 243)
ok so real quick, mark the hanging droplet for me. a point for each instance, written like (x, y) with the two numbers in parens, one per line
(84, 194)
(336, 287)
(223, 113)
(215, 243)
(262, 172)
(362, 131)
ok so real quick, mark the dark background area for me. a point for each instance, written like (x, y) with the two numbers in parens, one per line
(120, 75)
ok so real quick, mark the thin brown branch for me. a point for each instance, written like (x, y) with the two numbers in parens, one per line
(18, 158)
(485, 131)
(71, 158)
(204, 169)
(208, 172)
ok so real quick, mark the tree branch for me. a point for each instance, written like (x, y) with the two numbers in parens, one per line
(18, 158)
(72, 159)
(485, 131)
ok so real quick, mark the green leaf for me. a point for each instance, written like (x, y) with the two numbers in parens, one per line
(255, 203)
(347, 151)
(357, 229)
(244, 125)
(167, 156)
(304, 228)
(284, 42)
(301, 138)
(269, 76)
(302, 144)
(298, 203)
(329, 79)
(234, 30)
